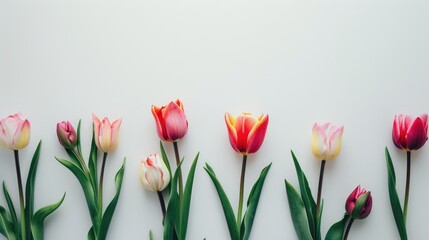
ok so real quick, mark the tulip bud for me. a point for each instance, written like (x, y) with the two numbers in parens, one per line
(154, 175)
(106, 134)
(14, 132)
(359, 203)
(246, 133)
(326, 142)
(66, 135)
(171, 123)
(408, 133)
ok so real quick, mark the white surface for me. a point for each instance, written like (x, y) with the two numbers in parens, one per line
(356, 63)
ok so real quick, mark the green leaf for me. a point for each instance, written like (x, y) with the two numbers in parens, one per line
(110, 210)
(186, 204)
(171, 226)
(6, 226)
(307, 197)
(252, 203)
(336, 231)
(91, 234)
(150, 235)
(92, 166)
(166, 162)
(29, 190)
(39, 217)
(298, 213)
(78, 142)
(394, 200)
(11, 210)
(87, 189)
(226, 205)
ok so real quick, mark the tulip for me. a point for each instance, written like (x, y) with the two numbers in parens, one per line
(326, 141)
(359, 203)
(246, 133)
(154, 175)
(14, 132)
(66, 135)
(408, 133)
(171, 123)
(106, 134)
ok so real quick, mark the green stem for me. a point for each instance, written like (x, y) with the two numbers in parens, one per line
(319, 192)
(100, 188)
(82, 162)
(21, 195)
(162, 203)
(407, 186)
(346, 234)
(176, 153)
(240, 201)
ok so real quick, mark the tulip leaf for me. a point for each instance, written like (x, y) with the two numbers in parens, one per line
(86, 187)
(29, 190)
(11, 210)
(394, 199)
(166, 162)
(91, 234)
(38, 219)
(186, 204)
(226, 205)
(92, 166)
(252, 204)
(78, 143)
(307, 197)
(6, 226)
(298, 213)
(110, 210)
(150, 235)
(73, 157)
(171, 222)
(336, 231)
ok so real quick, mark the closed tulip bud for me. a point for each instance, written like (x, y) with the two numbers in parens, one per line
(171, 123)
(66, 135)
(154, 175)
(359, 203)
(14, 132)
(106, 134)
(326, 141)
(410, 133)
(246, 133)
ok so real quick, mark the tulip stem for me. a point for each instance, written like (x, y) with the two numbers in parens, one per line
(82, 162)
(407, 186)
(319, 190)
(21, 195)
(100, 188)
(162, 203)
(240, 201)
(176, 152)
(349, 226)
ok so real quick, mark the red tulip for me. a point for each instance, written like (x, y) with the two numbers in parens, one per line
(171, 123)
(359, 203)
(246, 133)
(66, 134)
(408, 133)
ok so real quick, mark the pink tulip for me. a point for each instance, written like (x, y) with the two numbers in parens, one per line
(14, 132)
(359, 210)
(171, 123)
(408, 133)
(154, 174)
(246, 133)
(66, 134)
(106, 134)
(326, 142)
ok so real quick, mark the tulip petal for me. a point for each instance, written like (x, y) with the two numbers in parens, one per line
(105, 135)
(396, 131)
(175, 122)
(243, 125)
(22, 136)
(115, 131)
(319, 144)
(335, 141)
(232, 132)
(416, 135)
(159, 121)
(257, 135)
(97, 124)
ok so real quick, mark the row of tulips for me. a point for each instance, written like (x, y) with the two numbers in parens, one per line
(246, 135)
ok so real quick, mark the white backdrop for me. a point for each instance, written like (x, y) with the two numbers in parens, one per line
(356, 63)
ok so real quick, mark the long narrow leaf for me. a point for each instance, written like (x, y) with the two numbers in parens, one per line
(11, 210)
(78, 143)
(394, 199)
(110, 210)
(92, 166)
(171, 224)
(39, 217)
(29, 190)
(167, 163)
(6, 227)
(91, 234)
(336, 231)
(298, 213)
(252, 203)
(186, 204)
(87, 189)
(307, 197)
(226, 205)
